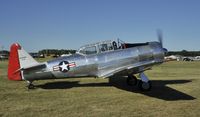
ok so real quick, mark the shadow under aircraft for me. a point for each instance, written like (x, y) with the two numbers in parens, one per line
(160, 88)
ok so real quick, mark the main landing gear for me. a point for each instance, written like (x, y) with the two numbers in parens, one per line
(30, 85)
(144, 84)
(131, 80)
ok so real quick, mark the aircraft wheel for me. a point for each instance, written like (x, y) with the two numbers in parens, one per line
(31, 86)
(131, 80)
(145, 86)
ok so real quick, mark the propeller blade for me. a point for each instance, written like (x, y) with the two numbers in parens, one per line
(160, 37)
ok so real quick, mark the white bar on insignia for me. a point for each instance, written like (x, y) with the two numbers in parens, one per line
(55, 69)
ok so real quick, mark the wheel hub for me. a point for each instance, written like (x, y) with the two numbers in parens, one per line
(145, 85)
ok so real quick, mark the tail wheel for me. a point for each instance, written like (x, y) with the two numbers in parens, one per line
(131, 80)
(145, 86)
(31, 86)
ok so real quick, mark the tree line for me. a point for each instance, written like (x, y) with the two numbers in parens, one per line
(47, 52)
(4, 52)
(184, 53)
(56, 51)
(64, 51)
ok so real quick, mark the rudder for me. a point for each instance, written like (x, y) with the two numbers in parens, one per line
(14, 72)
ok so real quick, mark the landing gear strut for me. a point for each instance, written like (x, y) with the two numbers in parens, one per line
(30, 85)
(144, 84)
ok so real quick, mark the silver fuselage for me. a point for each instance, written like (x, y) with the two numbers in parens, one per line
(122, 61)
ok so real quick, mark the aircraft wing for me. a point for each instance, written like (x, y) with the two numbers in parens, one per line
(133, 68)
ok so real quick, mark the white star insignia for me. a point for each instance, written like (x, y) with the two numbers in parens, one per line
(64, 66)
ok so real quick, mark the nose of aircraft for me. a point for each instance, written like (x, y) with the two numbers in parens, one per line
(165, 51)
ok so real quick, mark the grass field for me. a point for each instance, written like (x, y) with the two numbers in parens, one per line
(175, 92)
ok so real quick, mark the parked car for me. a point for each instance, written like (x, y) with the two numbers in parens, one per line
(187, 59)
(197, 58)
(3, 57)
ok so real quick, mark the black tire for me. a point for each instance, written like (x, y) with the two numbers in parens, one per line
(131, 80)
(145, 86)
(31, 86)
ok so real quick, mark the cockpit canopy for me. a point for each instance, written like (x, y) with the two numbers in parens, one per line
(99, 47)
(106, 46)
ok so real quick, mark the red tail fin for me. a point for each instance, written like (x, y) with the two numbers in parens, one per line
(14, 65)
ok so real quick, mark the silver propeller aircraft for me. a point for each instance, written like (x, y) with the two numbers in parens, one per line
(102, 59)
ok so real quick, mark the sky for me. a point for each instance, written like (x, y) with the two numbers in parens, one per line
(69, 24)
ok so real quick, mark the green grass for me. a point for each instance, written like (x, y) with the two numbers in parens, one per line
(175, 92)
